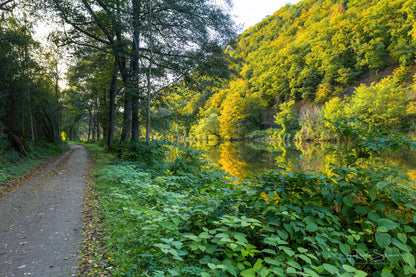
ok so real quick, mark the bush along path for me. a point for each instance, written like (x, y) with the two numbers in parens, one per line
(40, 221)
(183, 218)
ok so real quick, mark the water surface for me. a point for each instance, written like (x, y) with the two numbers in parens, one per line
(242, 158)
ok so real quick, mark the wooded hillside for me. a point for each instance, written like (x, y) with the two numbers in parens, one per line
(308, 52)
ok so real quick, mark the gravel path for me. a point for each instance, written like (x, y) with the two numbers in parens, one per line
(40, 222)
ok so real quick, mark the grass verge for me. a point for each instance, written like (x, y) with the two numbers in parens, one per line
(14, 165)
(183, 218)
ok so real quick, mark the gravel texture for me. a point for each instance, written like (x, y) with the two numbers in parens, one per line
(40, 221)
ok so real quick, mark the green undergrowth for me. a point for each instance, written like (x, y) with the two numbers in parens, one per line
(183, 217)
(14, 165)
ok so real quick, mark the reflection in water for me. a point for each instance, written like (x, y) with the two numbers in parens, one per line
(240, 158)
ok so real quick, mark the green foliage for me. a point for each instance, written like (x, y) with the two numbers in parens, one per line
(287, 119)
(139, 151)
(208, 126)
(312, 124)
(353, 221)
(312, 51)
(14, 165)
(380, 107)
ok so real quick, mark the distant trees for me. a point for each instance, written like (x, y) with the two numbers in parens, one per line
(27, 92)
(150, 41)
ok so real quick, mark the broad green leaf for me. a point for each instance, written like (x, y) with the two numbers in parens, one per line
(269, 251)
(274, 241)
(373, 216)
(204, 274)
(272, 261)
(283, 234)
(383, 239)
(345, 248)
(302, 250)
(173, 272)
(402, 237)
(348, 200)
(409, 229)
(294, 264)
(387, 223)
(287, 250)
(392, 254)
(264, 272)
(231, 270)
(258, 265)
(330, 268)
(360, 273)
(411, 206)
(361, 210)
(318, 269)
(382, 184)
(409, 258)
(269, 229)
(400, 245)
(305, 258)
(411, 269)
(312, 227)
(382, 229)
(278, 271)
(310, 272)
(373, 193)
(349, 268)
(251, 272)
(291, 270)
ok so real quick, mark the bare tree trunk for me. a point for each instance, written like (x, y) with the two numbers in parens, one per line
(149, 72)
(112, 103)
(134, 59)
(57, 131)
(125, 134)
(71, 136)
(89, 128)
(30, 116)
(98, 131)
(93, 126)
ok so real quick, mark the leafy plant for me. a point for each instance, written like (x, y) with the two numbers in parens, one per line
(356, 220)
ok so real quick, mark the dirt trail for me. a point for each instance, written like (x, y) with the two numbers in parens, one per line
(40, 222)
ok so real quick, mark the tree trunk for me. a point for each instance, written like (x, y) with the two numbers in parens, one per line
(57, 131)
(125, 134)
(89, 128)
(134, 60)
(30, 116)
(112, 104)
(71, 131)
(93, 127)
(149, 72)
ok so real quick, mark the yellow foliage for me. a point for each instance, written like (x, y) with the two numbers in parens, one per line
(64, 136)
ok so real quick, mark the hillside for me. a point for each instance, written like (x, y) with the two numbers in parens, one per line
(308, 52)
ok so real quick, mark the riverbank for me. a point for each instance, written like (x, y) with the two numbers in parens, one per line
(183, 218)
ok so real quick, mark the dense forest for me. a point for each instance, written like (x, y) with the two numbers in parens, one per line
(118, 56)
(308, 53)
